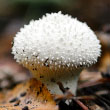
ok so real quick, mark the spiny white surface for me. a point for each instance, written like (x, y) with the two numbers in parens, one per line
(59, 38)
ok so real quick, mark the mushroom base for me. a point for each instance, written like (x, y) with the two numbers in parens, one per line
(69, 83)
(50, 77)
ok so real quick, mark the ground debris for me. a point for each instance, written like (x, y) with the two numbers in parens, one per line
(17, 98)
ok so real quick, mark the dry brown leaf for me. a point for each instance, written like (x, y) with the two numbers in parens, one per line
(1, 96)
(95, 107)
(32, 95)
(105, 62)
(5, 46)
(11, 73)
(104, 39)
(89, 76)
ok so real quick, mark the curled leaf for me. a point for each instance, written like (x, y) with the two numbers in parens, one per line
(31, 95)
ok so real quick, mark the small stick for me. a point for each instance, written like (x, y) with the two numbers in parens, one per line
(90, 97)
(61, 87)
(92, 83)
(81, 104)
(69, 95)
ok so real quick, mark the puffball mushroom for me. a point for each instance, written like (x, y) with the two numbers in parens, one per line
(55, 48)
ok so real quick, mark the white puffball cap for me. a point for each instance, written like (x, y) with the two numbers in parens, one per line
(58, 38)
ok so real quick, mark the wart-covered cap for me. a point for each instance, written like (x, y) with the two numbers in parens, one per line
(59, 38)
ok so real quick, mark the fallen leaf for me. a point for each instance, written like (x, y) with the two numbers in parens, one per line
(104, 61)
(89, 76)
(31, 95)
(11, 73)
(104, 39)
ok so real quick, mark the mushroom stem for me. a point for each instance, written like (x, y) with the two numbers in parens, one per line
(67, 77)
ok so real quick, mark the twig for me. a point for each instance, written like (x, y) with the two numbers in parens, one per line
(92, 83)
(69, 95)
(81, 104)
